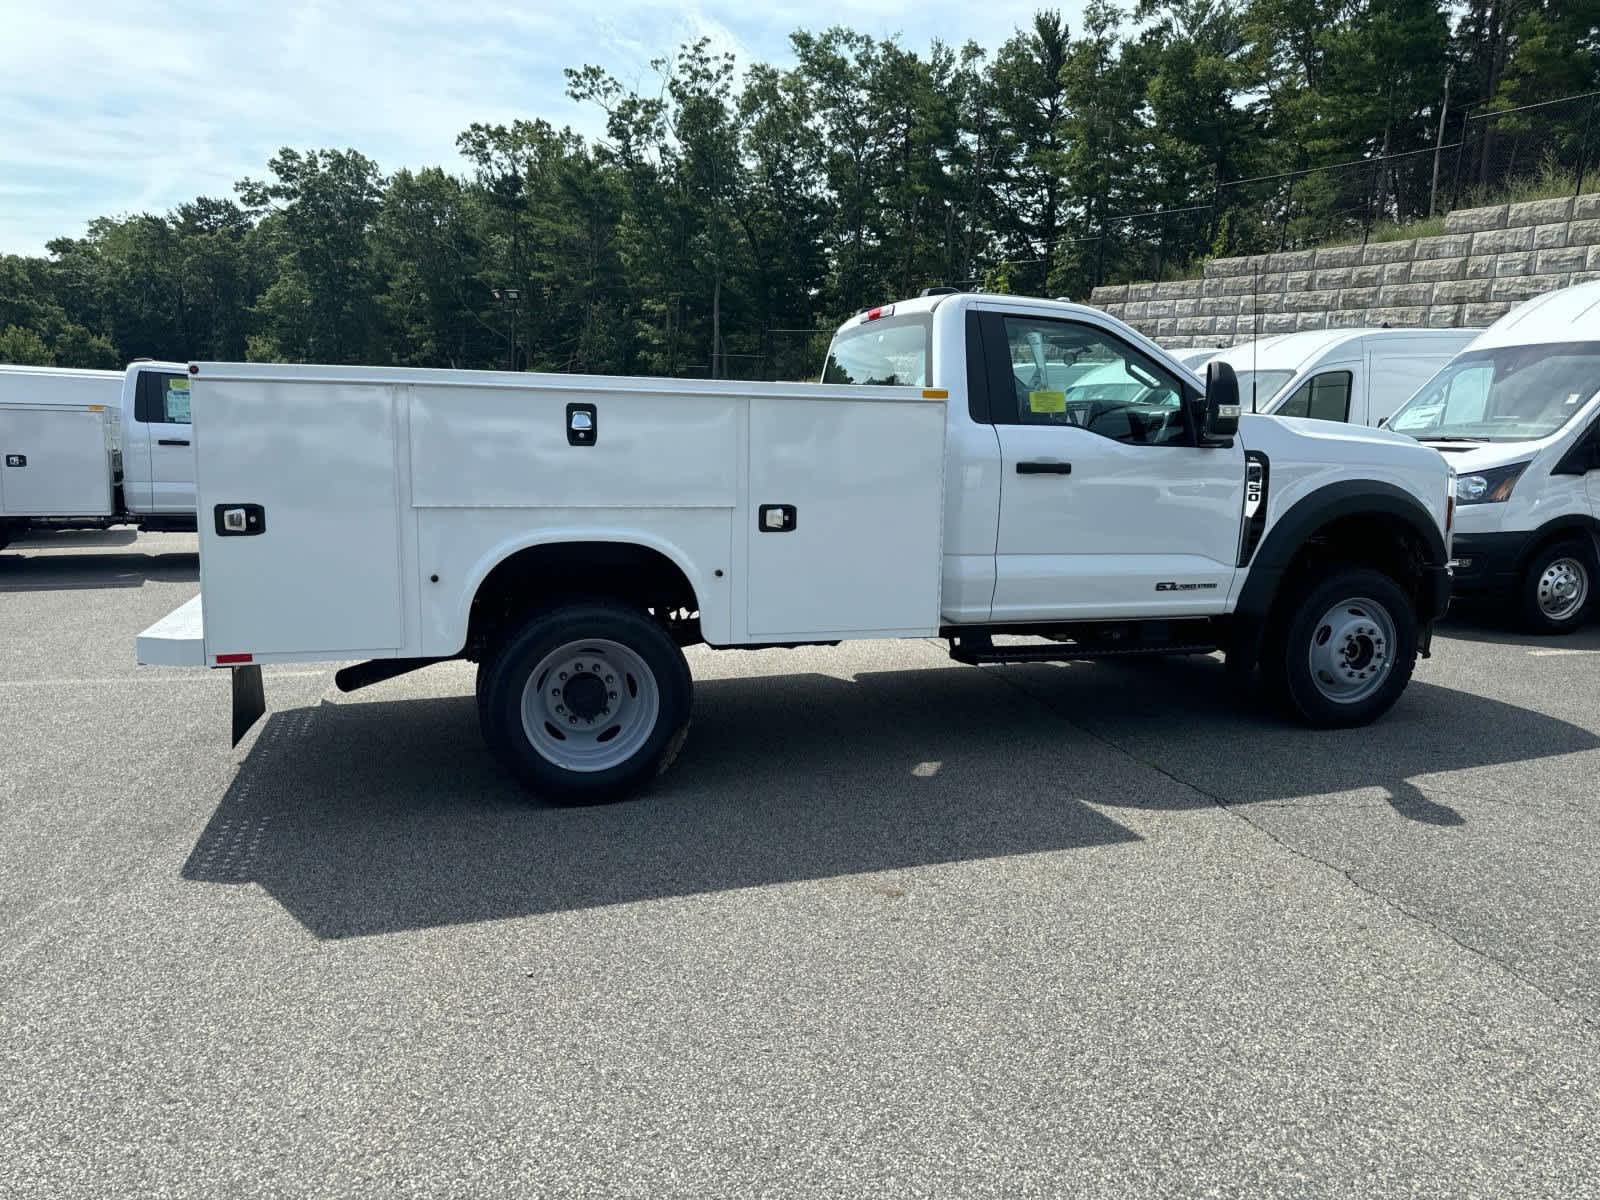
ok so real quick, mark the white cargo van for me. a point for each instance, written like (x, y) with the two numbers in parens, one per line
(1517, 415)
(1033, 468)
(95, 448)
(1356, 375)
(1196, 357)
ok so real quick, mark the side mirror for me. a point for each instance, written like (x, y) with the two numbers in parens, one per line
(1221, 416)
(1382, 421)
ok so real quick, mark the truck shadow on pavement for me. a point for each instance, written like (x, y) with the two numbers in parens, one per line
(1179, 716)
(90, 560)
(1492, 627)
(375, 816)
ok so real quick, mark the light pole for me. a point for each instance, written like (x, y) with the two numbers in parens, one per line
(509, 296)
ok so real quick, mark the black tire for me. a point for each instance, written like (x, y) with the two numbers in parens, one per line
(1298, 625)
(1548, 571)
(504, 678)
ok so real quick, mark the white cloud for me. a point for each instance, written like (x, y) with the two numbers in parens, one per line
(137, 105)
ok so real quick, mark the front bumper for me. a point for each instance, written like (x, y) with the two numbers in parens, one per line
(1487, 562)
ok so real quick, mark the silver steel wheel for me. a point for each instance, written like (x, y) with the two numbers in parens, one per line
(1352, 650)
(1562, 588)
(590, 706)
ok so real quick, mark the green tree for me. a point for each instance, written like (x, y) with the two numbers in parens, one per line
(18, 345)
(323, 304)
(1030, 149)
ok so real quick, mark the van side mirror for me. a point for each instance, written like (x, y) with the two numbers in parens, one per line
(1221, 417)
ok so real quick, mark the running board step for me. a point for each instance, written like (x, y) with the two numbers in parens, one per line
(986, 653)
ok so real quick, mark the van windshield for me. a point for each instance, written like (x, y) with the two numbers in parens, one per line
(890, 350)
(1513, 394)
(1266, 385)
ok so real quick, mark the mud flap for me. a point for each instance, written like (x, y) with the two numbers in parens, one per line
(249, 700)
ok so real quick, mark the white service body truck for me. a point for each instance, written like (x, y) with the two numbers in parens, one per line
(571, 533)
(95, 448)
(1517, 414)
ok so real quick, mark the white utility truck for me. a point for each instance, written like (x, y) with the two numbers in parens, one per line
(89, 449)
(571, 533)
(1517, 415)
(1356, 375)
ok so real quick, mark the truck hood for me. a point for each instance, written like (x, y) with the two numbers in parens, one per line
(1328, 440)
(1304, 456)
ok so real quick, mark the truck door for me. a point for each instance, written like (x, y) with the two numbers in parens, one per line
(1107, 508)
(163, 440)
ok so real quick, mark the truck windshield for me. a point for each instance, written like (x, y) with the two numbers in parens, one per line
(890, 350)
(1266, 385)
(1513, 394)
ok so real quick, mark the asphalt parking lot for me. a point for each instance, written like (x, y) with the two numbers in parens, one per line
(891, 926)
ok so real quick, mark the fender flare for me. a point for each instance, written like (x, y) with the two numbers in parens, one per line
(507, 548)
(1556, 526)
(1290, 532)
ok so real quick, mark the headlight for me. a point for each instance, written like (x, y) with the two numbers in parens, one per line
(1489, 487)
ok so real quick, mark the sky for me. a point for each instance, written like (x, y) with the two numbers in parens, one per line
(110, 107)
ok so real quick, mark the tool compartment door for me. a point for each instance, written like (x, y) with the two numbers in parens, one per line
(319, 571)
(844, 518)
(54, 462)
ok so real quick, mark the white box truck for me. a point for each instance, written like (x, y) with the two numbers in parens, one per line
(90, 449)
(570, 534)
(1360, 376)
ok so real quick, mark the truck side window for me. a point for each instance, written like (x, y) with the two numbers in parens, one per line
(175, 399)
(1324, 397)
(147, 398)
(1063, 373)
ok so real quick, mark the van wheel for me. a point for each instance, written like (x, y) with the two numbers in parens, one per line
(1557, 589)
(587, 703)
(1342, 649)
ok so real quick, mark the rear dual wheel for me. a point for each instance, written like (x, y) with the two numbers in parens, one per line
(586, 703)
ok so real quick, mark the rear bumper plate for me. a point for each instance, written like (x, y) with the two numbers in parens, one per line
(177, 640)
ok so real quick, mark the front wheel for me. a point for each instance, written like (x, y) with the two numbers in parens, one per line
(587, 703)
(1557, 588)
(1342, 649)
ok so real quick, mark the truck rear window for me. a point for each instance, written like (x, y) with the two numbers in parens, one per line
(891, 350)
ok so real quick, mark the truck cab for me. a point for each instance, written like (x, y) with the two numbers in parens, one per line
(157, 449)
(1079, 483)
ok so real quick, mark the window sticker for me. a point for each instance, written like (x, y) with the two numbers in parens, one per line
(1047, 402)
(178, 401)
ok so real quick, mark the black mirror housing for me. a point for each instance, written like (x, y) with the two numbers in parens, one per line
(1222, 401)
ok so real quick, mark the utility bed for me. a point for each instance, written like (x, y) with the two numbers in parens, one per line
(371, 503)
(57, 460)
